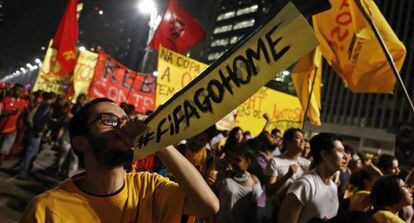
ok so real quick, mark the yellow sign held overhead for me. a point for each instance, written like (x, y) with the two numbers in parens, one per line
(230, 81)
(283, 110)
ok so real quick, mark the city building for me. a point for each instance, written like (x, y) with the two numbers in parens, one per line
(1, 12)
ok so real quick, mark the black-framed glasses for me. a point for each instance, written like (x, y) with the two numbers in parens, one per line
(110, 119)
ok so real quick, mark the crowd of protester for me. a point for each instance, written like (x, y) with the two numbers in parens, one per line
(267, 178)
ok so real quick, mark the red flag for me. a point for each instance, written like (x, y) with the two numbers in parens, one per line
(65, 38)
(178, 30)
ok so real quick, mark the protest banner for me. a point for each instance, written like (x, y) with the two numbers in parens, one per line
(83, 73)
(283, 110)
(229, 81)
(113, 80)
(175, 71)
(51, 77)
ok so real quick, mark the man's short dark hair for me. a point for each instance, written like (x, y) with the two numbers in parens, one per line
(386, 192)
(49, 95)
(275, 130)
(289, 135)
(385, 162)
(78, 125)
(15, 86)
(322, 142)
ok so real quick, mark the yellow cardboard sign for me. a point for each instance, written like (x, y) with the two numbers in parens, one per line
(175, 71)
(51, 77)
(284, 111)
(84, 71)
(228, 82)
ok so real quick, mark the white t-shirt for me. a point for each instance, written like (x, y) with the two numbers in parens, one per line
(318, 199)
(279, 167)
(237, 201)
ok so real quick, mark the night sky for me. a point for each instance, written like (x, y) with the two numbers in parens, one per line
(30, 24)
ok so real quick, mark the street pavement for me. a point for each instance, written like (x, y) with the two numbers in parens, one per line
(15, 194)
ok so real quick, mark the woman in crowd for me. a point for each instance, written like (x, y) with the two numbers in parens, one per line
(389, 195)
(240, 189)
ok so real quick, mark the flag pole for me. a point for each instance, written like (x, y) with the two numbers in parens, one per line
(386, 52)
(152, 27)
(309, 99)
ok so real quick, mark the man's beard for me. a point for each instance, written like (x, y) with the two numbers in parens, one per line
(107, 156)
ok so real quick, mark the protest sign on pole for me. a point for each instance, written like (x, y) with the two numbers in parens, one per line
(283, 110)
(51, 77)
(113, 80)
(229, 81)
(83, 72)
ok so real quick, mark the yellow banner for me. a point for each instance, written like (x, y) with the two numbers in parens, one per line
(51, 77)
(174, 72)
(84, 71)
(228, 82)
(284, 111)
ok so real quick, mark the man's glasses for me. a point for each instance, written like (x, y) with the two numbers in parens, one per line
(110, 119)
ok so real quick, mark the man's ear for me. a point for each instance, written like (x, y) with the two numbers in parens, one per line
(324, 154)
(80, 143)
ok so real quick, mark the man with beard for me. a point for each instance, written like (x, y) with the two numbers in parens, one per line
(104, 137)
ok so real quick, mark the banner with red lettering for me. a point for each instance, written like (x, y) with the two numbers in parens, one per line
(113, 80)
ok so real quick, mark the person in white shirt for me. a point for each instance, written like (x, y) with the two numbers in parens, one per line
(240, 189)
(284, 169)
(314, 195)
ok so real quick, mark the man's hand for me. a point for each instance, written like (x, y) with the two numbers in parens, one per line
(212, 177)
(266, 117)
(292, 170)
(130, 131)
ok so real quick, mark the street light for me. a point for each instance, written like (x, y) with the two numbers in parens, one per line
(149, 7)
(146, 6)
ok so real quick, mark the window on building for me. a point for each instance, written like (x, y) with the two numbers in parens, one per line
(234, 39)
(222, 29)
(226, 15)
(244, 24)
(215, 55)
(220, 42)
(247, 10)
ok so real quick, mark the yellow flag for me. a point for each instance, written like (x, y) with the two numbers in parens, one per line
(349, 45)
(51, 77)
(302, 77)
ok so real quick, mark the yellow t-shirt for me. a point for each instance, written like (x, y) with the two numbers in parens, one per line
(384, 216)
(145, 198)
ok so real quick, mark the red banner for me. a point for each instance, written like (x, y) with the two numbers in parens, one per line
(113, 80)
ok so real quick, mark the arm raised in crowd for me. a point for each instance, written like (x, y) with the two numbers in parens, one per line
(275, 183)
(200, 199)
